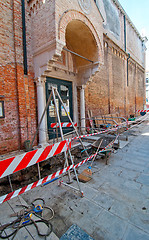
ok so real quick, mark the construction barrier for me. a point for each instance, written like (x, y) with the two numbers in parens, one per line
(50, 177)
(138, 121)
(142, 111)
(64, 124)
(33, 185)
(22, 161)
(17, 163)
(93, 134)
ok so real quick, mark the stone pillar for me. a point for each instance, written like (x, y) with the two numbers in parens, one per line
(82, 108)
(41, 107)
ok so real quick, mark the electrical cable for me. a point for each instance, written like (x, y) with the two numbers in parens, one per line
(24, 219)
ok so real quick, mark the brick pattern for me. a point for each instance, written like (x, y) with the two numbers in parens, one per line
(18, 90)
(73, 15)
(46, 23)
(108, 92)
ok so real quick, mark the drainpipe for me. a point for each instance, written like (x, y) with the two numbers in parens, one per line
(125, 46)
(127, 67)
(125, 33)
(24, 38)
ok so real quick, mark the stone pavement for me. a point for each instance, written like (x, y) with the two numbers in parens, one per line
(115, 205)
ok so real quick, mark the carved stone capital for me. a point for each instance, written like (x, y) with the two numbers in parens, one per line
(40, 81)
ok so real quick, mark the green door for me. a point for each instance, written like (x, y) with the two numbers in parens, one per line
(65, 90)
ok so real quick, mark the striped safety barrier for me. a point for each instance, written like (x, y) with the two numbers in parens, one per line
(64, 124)
(142, 111)
(22, 161)
(17, 163)
(93, 134)
(19, 191)
(33, 185)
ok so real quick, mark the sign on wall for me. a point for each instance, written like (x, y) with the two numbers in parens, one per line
(2, 115)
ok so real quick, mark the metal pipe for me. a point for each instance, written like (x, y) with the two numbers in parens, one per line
(61, 132)
(24, 38)
(79, 190)
(125, 33)
(78, 55)
(119, 118)
(104, 119)
(127, 69)
(71, 121)
(110, 117)
(69, 133)
(39, 173)
(9, 179)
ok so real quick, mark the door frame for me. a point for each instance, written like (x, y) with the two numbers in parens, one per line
(59, 82)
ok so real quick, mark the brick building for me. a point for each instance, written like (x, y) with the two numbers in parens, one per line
(39, 42)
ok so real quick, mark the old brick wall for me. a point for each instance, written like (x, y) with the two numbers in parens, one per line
(46, 23)
(16, 90)
(113, 15)
(40, 25)
(109, 92)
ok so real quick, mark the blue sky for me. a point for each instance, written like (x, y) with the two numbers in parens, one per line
(138, 12)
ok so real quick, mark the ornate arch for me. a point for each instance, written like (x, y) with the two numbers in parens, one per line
(70, 15)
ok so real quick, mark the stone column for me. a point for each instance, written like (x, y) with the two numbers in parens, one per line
(41, 107)
(82, 108)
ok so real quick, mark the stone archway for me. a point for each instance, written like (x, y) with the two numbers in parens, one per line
(75, 33)
(81, 38)
(72, 15)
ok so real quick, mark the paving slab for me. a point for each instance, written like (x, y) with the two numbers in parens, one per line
(143, 179)
(112, 224)
(104, 199)
(140, 219)
(133, 233)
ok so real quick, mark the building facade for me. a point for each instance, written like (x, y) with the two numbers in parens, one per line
(89, 50)
(147, 89)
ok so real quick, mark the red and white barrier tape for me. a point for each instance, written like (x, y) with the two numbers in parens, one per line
(139, 120)
(142, 111)
(33, 185)
(19, 162)
(48, 178)
(22, 161)
(14, 164)
(64, 124)
(93, 134)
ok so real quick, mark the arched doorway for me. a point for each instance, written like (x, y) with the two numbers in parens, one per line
(82, 44)
(77, 56)
(80, 40)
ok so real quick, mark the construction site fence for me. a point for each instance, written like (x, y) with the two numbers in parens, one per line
(19, 162)
(46, 179)
(105, 119)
